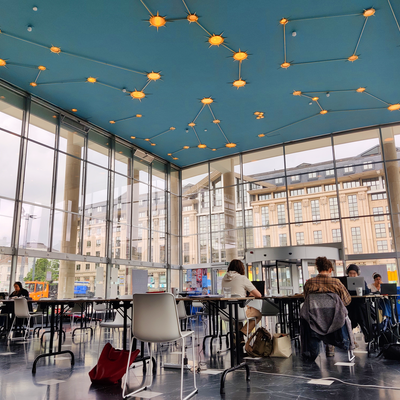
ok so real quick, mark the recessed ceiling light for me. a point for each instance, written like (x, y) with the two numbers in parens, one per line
(353, 58)
(172, 128)
(239, 83)
(215, 40)
(369, 13)
(152, 144)
(55, 49)
(216, 121)
(240, 55)
(213, 149)
(192, 18)
(34, 84)
(202, 146)
(147, 140)
(74, 110)
(157, 20)
(285, 65)
(91, 79)
(42, 68)
(185, 147)
(192, 124)
(207, 100)
(297, 93)
(137, 94)
(230, 145)
(133, 137)
(111, 122)
(175, 158)
(3, 63)
(315, 98)
(360, 89)
(323, 112)
(283, 21)
(261, 135)
(394, 107)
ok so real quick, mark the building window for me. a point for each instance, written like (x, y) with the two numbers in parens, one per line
(333, 208)
(278, 181)
(98, 232)
(351, 184)
(117, 241)
(118, 228)
(140, 231)
(87, 267)
(317, 237)
(162, 228)
(378, 214)
(336, 235)
(353, 206)
(329, 188)
(356, 238)
(203, 224)
(88, 253)
(264, 197)
(282, 239)
(314, 189)
(380, 230)
(265, 216)
(266, 241)
(378, 196)
(89, 232)
(329, 172)
(186, 255)
(367, 165)
(299, 238)
(186, 228)
(281, 214)
(387, 212)
(279, 195)
(312, 175)
(98, 242)
(348, 169)
(97, 254)
(372, 183)
(298, 212)
(142, 214)
(382, 245)
(78, 267)
(316, 216)
(187, 208)
(295, 178)
(297, 192)
(99, 209)
(89, 243)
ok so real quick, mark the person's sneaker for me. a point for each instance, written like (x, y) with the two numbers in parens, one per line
(330, 351)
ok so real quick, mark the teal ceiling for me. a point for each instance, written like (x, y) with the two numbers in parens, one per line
(118, 34)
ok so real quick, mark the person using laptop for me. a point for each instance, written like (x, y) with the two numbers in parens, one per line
(237, 281)
(353, 271)
(384, 304)
(376, 286)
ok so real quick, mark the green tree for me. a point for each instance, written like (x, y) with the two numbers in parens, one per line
(42, 266)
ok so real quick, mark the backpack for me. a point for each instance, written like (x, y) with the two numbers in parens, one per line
(262, 344)
(391, 351)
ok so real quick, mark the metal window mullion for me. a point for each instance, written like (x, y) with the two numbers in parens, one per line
(19, 191)
(150, 227)
(54, 185)
(338, 202)
(209, 211)
(83, 193)
(287, 194)
(180, 232)
(241, 189)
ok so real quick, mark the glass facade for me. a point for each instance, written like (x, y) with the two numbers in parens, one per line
(80, 210)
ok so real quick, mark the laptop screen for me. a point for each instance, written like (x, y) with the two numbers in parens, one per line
(260, 286)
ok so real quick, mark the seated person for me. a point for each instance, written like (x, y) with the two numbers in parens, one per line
(384, 304)
(19, 291)
(324, 283)
(358, 308)
(236, 280)
(376, 286)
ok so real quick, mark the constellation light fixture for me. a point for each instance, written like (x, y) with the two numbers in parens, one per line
(239, 83)
(360, 89)
(230, 145)
(153, 76)
(74, 110)
(41, 68)
(33, 84)
(157, 20)
(215, 40)
(192, 18)
(353, 58)
(55, 50)
(394, 107)
(207, 100)
(3, 63)
(91, 79)
(285, 65)
(137, 94)
(369, 13)
(323, 112)
(297, 93)
(283, 21)
(240, 55)
(202, 146)
(216, 121)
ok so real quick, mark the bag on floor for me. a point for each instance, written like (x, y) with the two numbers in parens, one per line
(391, 351)
(111, 366)
(281, 345)
(262, 344)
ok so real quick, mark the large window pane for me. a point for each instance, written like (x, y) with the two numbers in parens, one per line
(6, 221)
(226, 171)
(9, 155)
(120, 241)
(195, 179)
(71, 141)
(123, 159)
(35, 222)
(11, 111)
(42, 125)
(38, 174)
(159, 175)
(141, 170)
(141, 209)
(122, 199)
(98, 149)
(66, 232)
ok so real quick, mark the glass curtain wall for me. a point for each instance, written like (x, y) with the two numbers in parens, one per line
(77, 209)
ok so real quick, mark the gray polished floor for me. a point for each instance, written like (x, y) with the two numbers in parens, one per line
(271, 378)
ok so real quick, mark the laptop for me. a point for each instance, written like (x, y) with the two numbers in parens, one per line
(260, 286)
(354, 283)
(342, 279)
(388, 288)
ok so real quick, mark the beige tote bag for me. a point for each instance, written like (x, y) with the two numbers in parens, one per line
(281, 345)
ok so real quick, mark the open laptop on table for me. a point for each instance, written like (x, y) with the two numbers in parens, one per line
(388, 288)
(353, 283)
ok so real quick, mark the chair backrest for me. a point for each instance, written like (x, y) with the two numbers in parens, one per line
(241, 313)
(155, 317)
(181, 310)
(21, 309)
(100, 307)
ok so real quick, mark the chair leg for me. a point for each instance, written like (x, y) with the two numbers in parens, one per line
(12, 325)
(182, 361)
(350, 355)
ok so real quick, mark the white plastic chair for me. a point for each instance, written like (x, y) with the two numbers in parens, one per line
(155, 319)
(21, 310)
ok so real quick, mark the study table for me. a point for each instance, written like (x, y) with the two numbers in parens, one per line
(231, 304)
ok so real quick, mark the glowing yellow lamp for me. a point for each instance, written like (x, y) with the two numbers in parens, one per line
(3, 63)
(192, 18)
(74, 110)
(240, 55)
(353, 58)
(55, 49)
(137, 94)
(34, 84)
(360, 89)
(323, 112)
(213, 149)
(230, 145)
(172, 128)
(169, 154)
(111, 122)
(297, 93)
(215, 40)
(157, 20)
(285, 65)
(202, 146)
(185, 147)
(133, 137)
(394, 107)
(207, 100)
(216, 121)
(175, 158)
(239, 83)
(153, 76)
(257, 113)
(42, 68)
(147, 140)
(192, 124)
(315, 98)
(261, 135)
(153, 144)
(369, 13)
(283, 21)
(91, 79)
